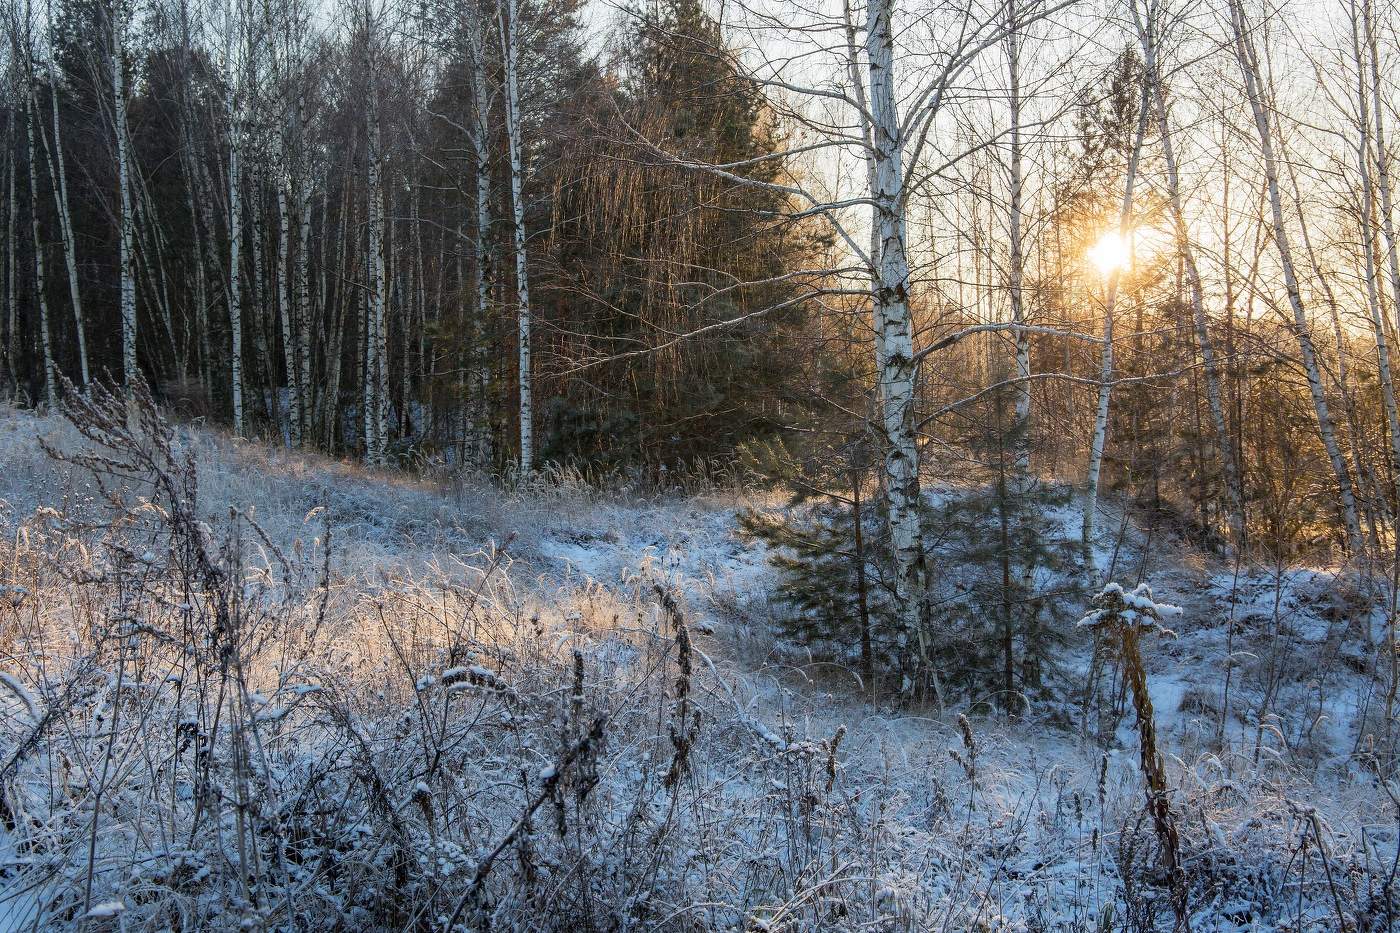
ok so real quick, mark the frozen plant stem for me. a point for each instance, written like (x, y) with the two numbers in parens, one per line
(1123, 617)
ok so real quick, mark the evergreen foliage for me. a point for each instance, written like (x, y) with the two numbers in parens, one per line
(998, 544)
(650, 250)
(830, 549)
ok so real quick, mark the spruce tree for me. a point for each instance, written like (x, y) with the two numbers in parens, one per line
(829, 547)
(1003, 625)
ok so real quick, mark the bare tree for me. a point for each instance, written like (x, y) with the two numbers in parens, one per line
(58, 175)
(1117, 268)
(483, 272)
(126, 217)
(508, 13)
(235, 26)
(1149, 25)
(1248, 62)
(40, 280)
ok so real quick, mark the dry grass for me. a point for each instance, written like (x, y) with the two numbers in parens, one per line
(345, 710)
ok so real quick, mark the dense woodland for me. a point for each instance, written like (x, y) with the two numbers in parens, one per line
(494, 237)
(357, 226)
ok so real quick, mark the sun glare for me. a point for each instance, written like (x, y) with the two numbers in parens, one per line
(1111, 253)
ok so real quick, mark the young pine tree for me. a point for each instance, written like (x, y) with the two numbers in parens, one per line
(1004, 616)
(828, 546)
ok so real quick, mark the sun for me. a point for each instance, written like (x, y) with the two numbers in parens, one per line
(1112, 253)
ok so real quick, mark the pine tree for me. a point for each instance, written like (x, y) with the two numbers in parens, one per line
(648, 250)
(1000, 536)
(829, 548)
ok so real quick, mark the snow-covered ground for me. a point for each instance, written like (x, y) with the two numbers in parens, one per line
(476, 708)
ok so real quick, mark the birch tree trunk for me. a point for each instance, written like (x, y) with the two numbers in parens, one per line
(126, 217)
(303, 309)
(235, 280)
(1383, 177)
(894, 341)
(11, 265)
(1016, 489)
(1096, 444)
(483, 272)
(1369, 245)
(261, 324)
(510, 51)
(1022, 438)
(1342, 380)
(235, 227)
(375, 364)
(297, 163)
(58, 174)
(40, 283)
(1147, 39)
(413, 315)
(330, 399)
(284, 306)
(1249, 68)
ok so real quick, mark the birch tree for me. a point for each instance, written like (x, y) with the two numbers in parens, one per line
(290, 169)
(1369, 228)
(1105, 390)
(11, 261)
(478, 413)
(1247, 59)
(126, 217)
(376, 375)
(508, 14)
(235, 25)
(894, 337)
(1022, 427)
(40, 280)
(1384, 181)
(862, 107)
(1148, 28)
(58, 176)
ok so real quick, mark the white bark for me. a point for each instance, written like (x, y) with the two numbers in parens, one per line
(235, 224)
(1382, 155)
(375, 362)
(483, 272)
(1022, 474)
(328, 417)
(418, 321)
(293, 206)
(284, 308)
(256, 237)
(126, 218)
(303, 310)
(1249, 68)
(894, 331)
(11, 270)
(1096, 444)
(1369, 245)
(58, 174)
(40, 283)
(510, 53)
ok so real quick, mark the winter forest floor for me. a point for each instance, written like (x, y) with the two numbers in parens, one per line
(317, 698)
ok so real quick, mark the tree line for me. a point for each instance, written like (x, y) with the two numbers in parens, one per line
(352, 226)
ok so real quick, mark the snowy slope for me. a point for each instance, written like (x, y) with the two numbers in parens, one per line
(467, 638)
